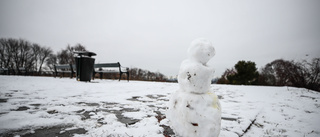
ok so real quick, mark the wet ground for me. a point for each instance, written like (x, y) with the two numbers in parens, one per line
(40, 106)
(71, 130)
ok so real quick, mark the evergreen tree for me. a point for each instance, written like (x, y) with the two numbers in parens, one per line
(246, 73)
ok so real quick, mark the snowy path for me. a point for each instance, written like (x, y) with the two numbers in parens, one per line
(44, 106)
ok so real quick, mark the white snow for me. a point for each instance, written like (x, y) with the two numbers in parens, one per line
(276, 111)
(194, 74)
(194, 109)
(135, 115)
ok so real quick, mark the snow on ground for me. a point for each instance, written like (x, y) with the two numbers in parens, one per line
(44, 106)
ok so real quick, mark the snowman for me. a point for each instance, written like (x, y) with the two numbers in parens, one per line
(194, 109)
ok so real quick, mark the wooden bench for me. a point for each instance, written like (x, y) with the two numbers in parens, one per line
(8, 71)
(4, 71)
(23, 70)
(64, 68)
(110, 65)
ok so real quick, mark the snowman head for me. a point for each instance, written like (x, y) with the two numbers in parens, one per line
(201, 50)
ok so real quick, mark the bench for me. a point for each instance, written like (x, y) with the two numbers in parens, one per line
(100, 70)
(4, 71)
(23, 70)
(8, 71)
(64, 68)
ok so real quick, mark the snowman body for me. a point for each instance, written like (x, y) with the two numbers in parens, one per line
(194, 109)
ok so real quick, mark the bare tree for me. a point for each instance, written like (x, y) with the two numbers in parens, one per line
(289, 73)
(314, 74)
(51, 61)
(36, 51)
(224, 77)
(66, 56)
(19, 53)
(22, 54)
(79, 47)
(6, 54)
(146, 75)
(45, 52)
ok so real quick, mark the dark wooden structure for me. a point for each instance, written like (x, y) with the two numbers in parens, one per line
(64, 68)
(110, 65)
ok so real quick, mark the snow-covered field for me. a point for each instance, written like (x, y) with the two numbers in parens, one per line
(46, 106)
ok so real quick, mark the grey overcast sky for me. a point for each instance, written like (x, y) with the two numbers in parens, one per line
(155, 34)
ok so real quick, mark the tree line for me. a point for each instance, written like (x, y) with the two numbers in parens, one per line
(19, 53)
(40, 60)
(138, 74)
(146, 75)
(276, 73)
(34, 58)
